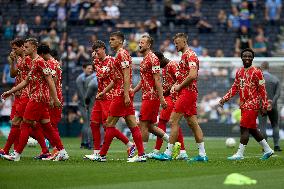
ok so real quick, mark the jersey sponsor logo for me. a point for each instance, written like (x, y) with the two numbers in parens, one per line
(46, 71)
(156, 68)
(105, 69)
(125, 64)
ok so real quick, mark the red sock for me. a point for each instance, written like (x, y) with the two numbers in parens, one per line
(52, 135)
(121, 136)
(162, 125)
(109, 135)
(46, 135)
(180, 139)
(137, 137)
(37, 134)
(12, 138)
(96, 135)
(24, 136)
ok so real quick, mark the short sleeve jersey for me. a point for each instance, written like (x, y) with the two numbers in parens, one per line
(188, 61)
(104, 72)
(250, 85)
(56, 72)
(39, 89)
(122, 61)
(149, 66)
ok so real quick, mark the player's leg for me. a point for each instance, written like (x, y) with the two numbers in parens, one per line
(137, 137)
(54, 136)
(37, 134)
(245, 124)
(96, 120)
(170, 151)
(143, 125)
(192, 122)
(262, 125)
(13, 137)
(136, 133)
(274, 120)
(23, 139)
(148, 116)
(159, 142)
(263, 143)
(182, 155)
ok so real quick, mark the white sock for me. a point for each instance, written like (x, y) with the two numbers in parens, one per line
(241, 149)
(182, 152)
(145, 144)
(166, 137)
(62, 152)
(96, 151)
(156, 151)
(201, 149)
(129, 144)
(169, 149)
(16, 154)
(265, 146)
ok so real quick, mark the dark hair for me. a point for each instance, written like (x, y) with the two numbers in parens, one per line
(33, 41)
(150, 39)
(86, 65)
(247, 50)
(18, 42)
(98, 44)
(180, 35)
(159, 54)
(118, 34)
(43, 49)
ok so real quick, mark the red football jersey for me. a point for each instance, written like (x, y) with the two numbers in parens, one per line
(39, 89)
(148, 67)
(23, 68)
(56, 72)
(122, 60)
(188, 60)
(250, 85)
(169, 78)
(104, 73)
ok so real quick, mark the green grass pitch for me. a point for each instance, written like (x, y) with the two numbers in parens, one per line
(78, 173)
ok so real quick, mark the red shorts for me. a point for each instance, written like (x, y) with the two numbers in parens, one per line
(165, 114)
(248, 119)
(55, 115)
(14, 107)
(21, 106)
(36, 111)
(117, 107)
(149, 110)
(100, 111)
(186, 103)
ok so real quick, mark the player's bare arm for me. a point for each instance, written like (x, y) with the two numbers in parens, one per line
(52, 89)
(159, 87)
(20, 86)
(106, 90)
(126, 85)
(192, 75)
(137, 88)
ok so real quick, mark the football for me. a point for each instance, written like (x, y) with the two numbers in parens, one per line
(230, 142)
(32, 142)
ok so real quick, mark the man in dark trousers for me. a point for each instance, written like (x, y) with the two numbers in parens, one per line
(82, 82)
(272, 85)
